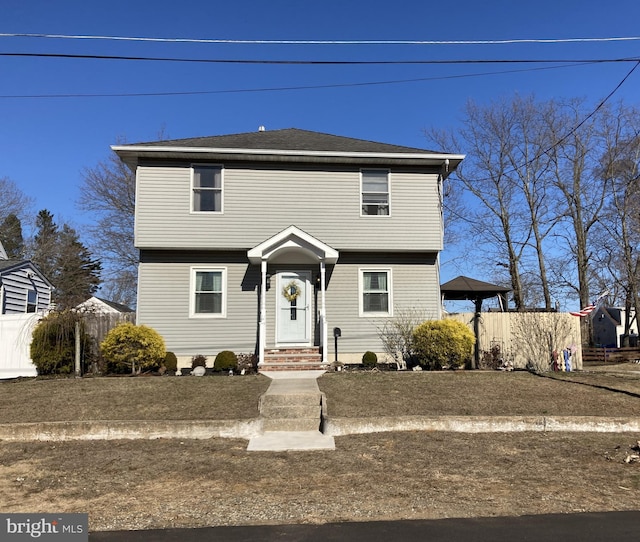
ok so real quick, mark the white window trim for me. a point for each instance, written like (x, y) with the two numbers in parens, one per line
(192, 293)
(192, 188)
(388, 171)
(361, 272)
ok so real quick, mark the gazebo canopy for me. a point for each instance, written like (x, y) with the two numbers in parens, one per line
(465, 288)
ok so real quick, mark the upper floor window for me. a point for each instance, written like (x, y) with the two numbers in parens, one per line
(206, 185)
(375, 192)
(208, 292)
(32, 301)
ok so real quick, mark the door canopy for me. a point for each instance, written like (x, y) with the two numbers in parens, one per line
(293, 240)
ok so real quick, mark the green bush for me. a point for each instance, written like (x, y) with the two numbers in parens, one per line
(139, 348)
(170, 362)
(53, 345)
(198, 361)
(443, 344)
(225, 360)
(369, 359)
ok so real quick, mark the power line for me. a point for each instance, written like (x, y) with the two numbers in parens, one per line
(572, 130)
(322, 42)
(287, 88)
(316, 62)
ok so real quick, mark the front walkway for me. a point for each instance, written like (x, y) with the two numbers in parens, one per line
(291, 412)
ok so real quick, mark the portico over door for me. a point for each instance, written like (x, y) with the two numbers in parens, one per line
(293, 246)
(293, 308)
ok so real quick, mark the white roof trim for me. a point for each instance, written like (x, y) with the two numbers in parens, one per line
(276, 152)
(292, 237)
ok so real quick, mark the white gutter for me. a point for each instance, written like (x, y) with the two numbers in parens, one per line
(276, 152)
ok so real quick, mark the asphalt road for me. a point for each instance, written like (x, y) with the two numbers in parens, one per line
(617, 526)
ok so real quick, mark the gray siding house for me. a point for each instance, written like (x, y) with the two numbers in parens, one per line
(265, 242)
(23, 288)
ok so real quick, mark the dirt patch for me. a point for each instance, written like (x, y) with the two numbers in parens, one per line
(165, 483)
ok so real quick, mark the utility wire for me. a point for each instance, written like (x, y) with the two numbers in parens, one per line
(315, 62)
(321, 42)
(287, 88)
(573, 130)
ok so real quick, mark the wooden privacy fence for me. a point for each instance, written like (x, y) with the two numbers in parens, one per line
(610, 355)
(527, 339)
(99, 324)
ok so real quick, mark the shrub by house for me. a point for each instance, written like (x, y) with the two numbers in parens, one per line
(139, 348)
(443, 344)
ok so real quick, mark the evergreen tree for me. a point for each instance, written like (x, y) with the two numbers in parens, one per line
(65, 261)
(78, 274)
(45, 245)
(11, 237)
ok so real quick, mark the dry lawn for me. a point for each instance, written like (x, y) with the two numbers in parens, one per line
(173, 483)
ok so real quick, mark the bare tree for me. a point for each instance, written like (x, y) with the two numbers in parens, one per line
(504, 172)
(581, 191)
(13, 200)
(108, 191)
(620, 220)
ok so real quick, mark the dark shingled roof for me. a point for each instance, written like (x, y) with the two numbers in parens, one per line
(7, 264)
(117, 306)
(291, 139)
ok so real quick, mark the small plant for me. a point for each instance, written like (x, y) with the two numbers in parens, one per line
(247, 363)
(369, 359)
(198, 361)
(225, 360)
(170, 362)
(139, 348)
(441, 344)
(491, 359)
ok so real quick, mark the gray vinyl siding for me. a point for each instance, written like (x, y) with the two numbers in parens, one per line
(261, 201)
(414, 286)
(164, 296)
(15, 285)
(164, 304)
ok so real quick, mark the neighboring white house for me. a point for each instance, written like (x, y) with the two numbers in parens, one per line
(271, 242)
(103, 306)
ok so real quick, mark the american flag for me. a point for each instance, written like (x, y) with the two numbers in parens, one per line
(586, 311)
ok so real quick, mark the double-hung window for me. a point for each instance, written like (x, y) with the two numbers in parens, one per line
(32, 301)
(375, 292)
(206, 186)
(375, 192)
(208, 292)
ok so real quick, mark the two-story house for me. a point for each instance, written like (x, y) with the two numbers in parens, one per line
(266, 242)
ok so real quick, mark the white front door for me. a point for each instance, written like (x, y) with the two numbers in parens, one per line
(293, 311)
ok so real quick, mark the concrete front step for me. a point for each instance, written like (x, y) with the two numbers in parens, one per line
(291, 424)
(293, 366)
(291, 411)
(292, 399)
(281, 441)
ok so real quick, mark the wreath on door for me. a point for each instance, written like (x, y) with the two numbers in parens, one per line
(291, 291)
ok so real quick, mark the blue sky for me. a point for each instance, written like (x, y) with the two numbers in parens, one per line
(46, 142)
